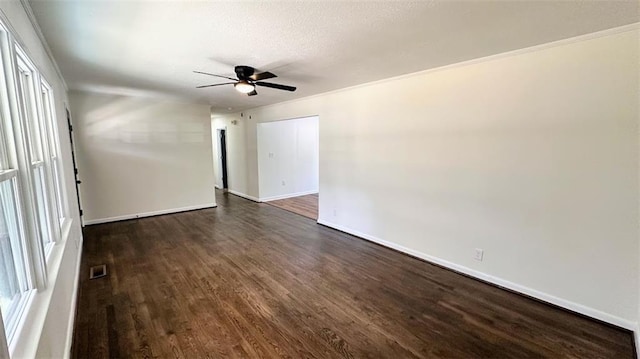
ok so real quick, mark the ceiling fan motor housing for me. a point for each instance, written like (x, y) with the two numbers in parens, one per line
(244, 72)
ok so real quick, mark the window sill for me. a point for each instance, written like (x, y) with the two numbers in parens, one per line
(65, 227)
(25, 341)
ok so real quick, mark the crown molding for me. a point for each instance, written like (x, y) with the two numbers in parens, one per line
(525, 50)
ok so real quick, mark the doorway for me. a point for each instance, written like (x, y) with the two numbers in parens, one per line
(288, 164)
(223, 182)
(75, 166)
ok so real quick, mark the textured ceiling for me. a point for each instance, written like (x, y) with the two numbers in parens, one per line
(152, 47)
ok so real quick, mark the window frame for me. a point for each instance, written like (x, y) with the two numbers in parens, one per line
(4, 348)
(32, 118)
(21, 123)
(27, 288)
(48, 111)
(15, 160)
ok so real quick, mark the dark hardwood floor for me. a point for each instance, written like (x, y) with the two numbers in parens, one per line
(249, 280)
(303, 205)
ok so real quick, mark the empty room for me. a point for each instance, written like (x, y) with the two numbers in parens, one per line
(319, 179)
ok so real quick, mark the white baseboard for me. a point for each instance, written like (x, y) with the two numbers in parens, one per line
(240, 194)
(297, 194)
(149, 214)
(217, 186)
(572, 306)
(74, 303)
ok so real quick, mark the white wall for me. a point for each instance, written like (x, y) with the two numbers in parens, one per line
(140, 156)
(288, 158)
(531, 156)
(49, 322)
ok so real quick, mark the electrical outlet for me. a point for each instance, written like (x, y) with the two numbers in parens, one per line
(479, 254)
(283, 183)
(335, 212)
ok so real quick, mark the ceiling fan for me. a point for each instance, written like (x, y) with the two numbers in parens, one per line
(247, 80)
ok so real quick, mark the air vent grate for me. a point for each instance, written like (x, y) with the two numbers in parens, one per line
(98, 271)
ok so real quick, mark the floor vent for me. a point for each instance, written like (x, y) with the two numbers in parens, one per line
(98, 271)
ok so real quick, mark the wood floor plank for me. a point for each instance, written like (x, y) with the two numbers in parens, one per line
(250, 280)
(306, 205)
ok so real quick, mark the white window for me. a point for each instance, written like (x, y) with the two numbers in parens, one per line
(15, 261)
(38, 150)
(31, 197)
(54, 145)
(4, 350)
(13, 275)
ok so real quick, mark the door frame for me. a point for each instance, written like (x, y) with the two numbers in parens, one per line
(76, 174)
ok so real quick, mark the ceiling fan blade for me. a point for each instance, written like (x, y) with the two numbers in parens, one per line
(226, 83)
(252, 93)
(262, 76)
(224, 77)
(276, 86)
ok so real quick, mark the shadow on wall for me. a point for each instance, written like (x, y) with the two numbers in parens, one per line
(137, 127)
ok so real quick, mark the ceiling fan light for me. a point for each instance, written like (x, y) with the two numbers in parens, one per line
(244, 86)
